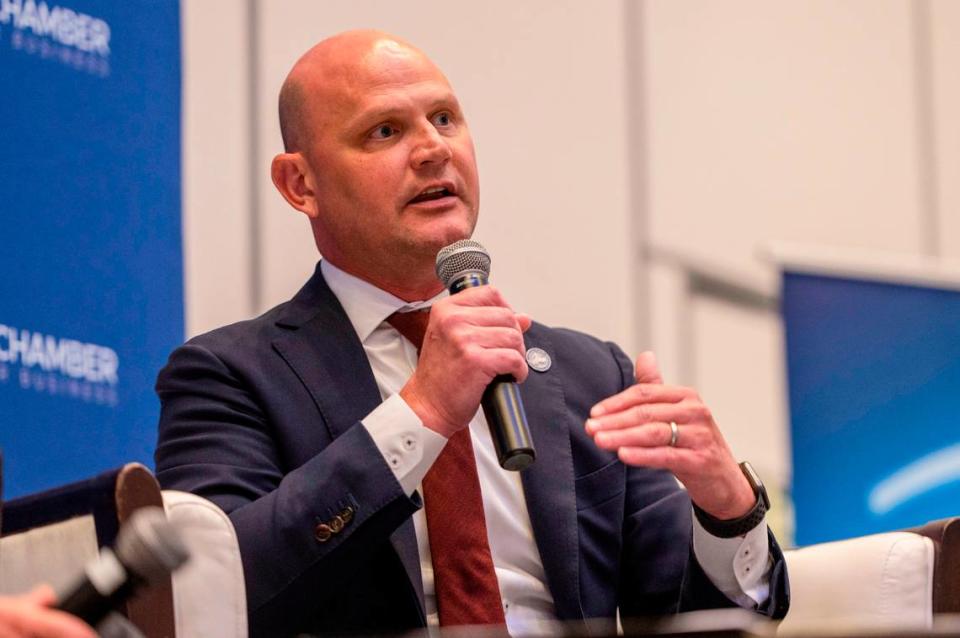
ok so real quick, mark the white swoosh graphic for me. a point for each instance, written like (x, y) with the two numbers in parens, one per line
(924, 474)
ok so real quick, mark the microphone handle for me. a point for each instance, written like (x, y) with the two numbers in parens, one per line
(502, 405)
(508, 423)
(91, 605)
(103, 585)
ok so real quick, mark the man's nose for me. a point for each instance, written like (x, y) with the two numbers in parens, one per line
(431, 148)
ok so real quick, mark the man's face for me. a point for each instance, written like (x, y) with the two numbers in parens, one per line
(392, 161)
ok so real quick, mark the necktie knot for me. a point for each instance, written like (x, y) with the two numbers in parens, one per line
(412, 325)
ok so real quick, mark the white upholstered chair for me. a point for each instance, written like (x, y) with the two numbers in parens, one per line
(896, 580)
(50, 536)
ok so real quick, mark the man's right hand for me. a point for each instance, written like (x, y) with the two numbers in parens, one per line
(472, 337)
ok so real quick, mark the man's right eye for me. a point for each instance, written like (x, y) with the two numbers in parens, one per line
(383, 131)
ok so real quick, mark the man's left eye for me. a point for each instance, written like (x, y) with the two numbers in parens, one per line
(442, 119)
(383, 131)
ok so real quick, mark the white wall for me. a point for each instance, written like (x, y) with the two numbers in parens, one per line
(945, 47)
(781, 120)
(216, 161)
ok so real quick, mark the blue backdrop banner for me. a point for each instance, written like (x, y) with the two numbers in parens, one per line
(91, 275)
(874, 376)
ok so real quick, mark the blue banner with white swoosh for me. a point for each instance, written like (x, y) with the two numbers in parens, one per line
(874, 386)
(91, 275)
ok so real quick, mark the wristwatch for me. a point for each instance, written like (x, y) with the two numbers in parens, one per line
(738, 526)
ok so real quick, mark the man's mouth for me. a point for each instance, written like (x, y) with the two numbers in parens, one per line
(430, 194)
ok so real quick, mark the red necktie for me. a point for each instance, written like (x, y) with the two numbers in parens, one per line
(465, 582)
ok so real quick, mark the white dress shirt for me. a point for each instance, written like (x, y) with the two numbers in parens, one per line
(739, 566)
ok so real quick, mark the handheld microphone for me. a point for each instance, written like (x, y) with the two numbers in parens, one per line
(148, 548)
(466, 264)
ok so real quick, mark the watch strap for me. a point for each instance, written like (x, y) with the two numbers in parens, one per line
(738, 526)
(734, 527)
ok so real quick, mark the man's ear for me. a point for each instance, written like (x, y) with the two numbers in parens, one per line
(291, 176)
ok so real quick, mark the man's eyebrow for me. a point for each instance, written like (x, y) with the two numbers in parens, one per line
(372, 116)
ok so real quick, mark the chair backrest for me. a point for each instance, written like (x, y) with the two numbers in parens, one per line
(1, 489)
(945, 534)
(49, 536)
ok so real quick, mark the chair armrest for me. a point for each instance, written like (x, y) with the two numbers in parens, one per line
(209, 593)
(882, 581)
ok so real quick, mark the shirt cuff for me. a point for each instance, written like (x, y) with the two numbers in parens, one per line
(739, 566)
(407, 446)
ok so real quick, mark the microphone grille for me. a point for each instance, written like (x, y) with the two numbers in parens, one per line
(466, 255)
(150, 545)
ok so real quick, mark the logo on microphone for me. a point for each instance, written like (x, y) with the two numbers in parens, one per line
(58, 33)
(59, 366)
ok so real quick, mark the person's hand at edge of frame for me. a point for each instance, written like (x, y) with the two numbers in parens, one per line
(31, 614)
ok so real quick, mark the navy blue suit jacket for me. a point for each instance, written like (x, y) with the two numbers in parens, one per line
(263, 418)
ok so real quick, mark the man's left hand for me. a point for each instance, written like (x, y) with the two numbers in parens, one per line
(636, 423)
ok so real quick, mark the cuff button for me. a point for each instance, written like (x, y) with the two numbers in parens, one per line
(322, 533)
(347, 514)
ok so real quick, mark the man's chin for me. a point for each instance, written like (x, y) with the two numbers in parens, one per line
(433, 237)
(427, 248)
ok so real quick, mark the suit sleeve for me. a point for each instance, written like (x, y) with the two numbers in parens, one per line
(659, 571)
(216, 441)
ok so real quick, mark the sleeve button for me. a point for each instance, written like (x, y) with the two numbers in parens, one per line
(322, 533)
(336, 525)
(347, 514)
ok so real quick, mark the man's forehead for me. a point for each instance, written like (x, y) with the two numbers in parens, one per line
(356, 60)
(381, 83)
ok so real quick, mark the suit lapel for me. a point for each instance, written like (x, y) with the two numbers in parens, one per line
(322, 348)
(329, 359)
(548, 483)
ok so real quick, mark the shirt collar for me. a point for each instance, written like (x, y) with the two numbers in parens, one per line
(366, 305)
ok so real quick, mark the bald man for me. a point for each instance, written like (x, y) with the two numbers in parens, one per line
(326, 427)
